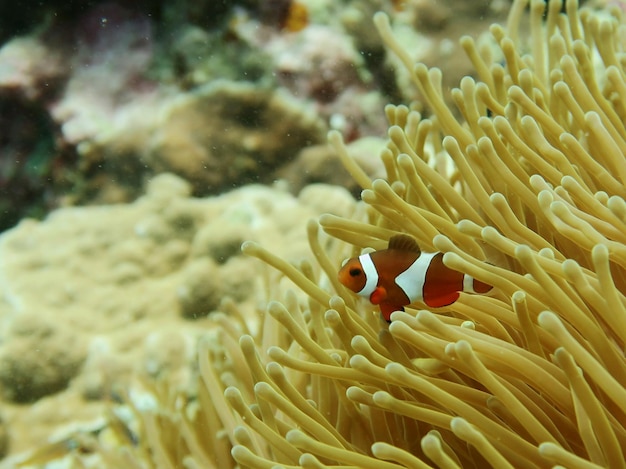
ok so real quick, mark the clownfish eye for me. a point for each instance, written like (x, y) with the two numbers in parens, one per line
(355, 272)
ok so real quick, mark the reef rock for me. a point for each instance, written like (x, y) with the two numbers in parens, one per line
(217, 137)
(30, 68)
(227, 134)
(35, 360)
(319, 164)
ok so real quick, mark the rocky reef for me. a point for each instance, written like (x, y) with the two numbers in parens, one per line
(98, 98)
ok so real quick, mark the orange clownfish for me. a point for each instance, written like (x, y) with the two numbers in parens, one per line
(402, 274)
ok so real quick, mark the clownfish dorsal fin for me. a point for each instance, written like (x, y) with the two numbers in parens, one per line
(403, 242)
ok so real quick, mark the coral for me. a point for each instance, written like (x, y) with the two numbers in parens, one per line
(335, 200)
(112, 89)
(323, 64)
(37, 361)
(30, 67)
(315, 164)
(230, 134)
(533, 376)
(91, 296)
(221, 239)
(319, 163)
(199, 292)
(28, 161)
(196, 64)
(306, 67)
(33, 170)
(114, 49)
(56, 94)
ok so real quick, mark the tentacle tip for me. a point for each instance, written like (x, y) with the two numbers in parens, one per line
(522, 251)
(312, 224)
(600, 250)
(519, 297)
(249, 247)
(380, 17)
(334, 136)
(546, 318)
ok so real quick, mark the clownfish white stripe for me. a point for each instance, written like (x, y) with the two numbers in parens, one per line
(371, 275)
(468, 284)
(412, 280)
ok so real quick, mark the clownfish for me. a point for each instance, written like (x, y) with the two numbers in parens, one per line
(402, 274)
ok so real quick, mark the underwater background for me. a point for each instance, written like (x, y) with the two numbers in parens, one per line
(140, 145)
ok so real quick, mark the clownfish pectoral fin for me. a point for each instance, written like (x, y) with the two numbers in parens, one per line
(378, 296)
(386, 309)
(442, 300)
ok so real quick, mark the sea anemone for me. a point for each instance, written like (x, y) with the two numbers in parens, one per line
(532, 180)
